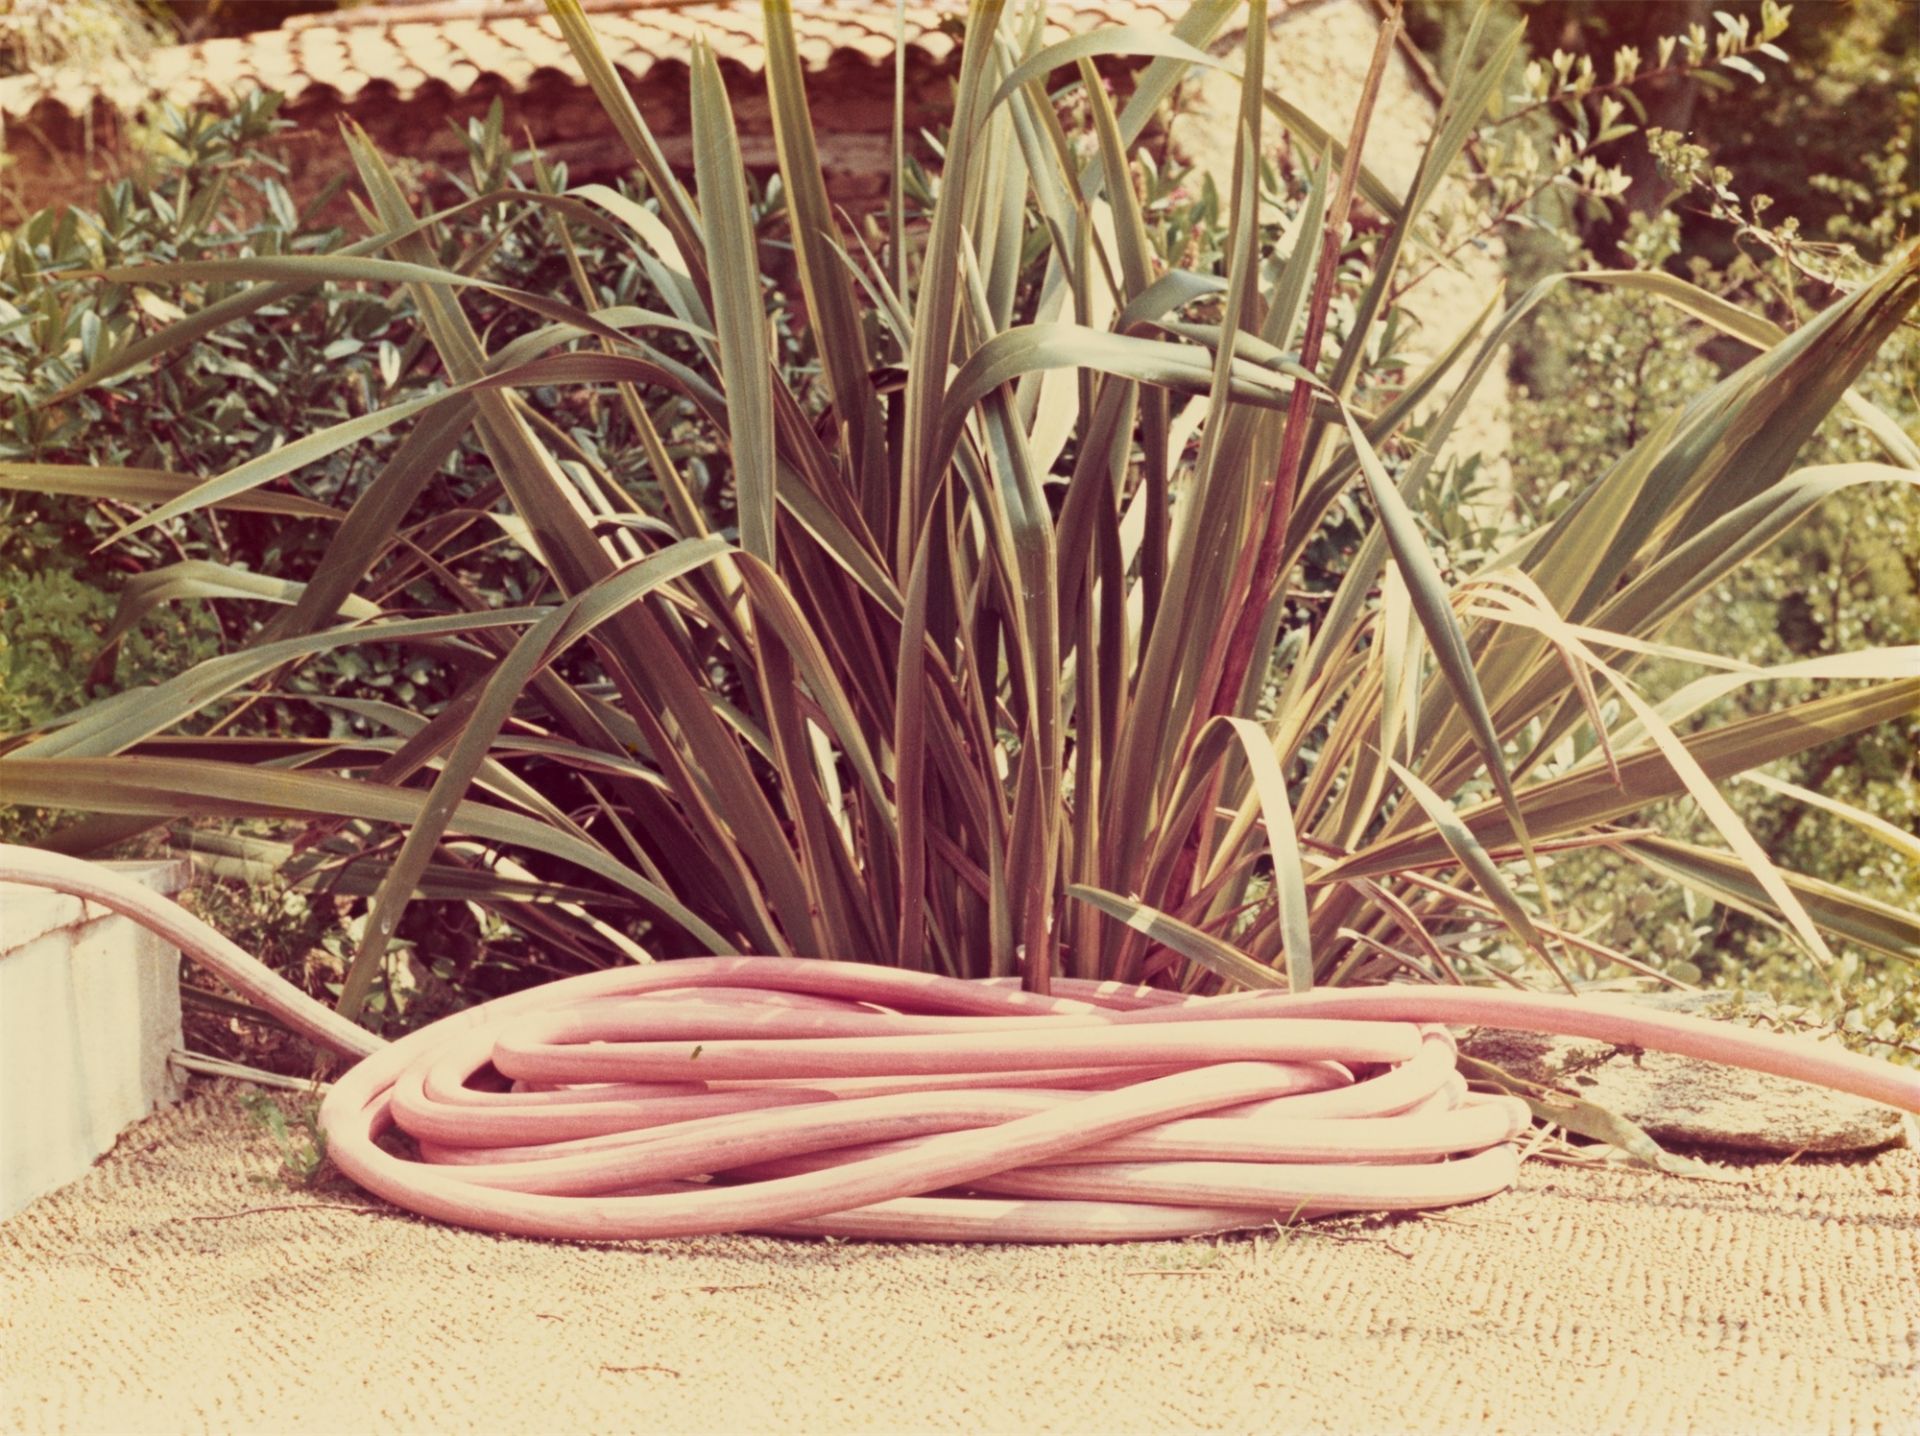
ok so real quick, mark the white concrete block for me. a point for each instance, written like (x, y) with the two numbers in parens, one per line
(89, 1014)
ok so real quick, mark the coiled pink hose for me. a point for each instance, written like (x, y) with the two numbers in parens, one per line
(815, 1097)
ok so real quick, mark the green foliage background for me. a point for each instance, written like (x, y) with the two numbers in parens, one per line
(1818, 175)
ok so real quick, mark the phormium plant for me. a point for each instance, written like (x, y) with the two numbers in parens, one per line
(975, 661)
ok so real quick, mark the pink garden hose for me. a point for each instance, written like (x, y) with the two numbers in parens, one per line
(816, 1097)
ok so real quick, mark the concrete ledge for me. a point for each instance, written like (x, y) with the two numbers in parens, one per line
(89, 1014)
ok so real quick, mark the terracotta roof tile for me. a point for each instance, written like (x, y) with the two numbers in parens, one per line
(468, 42)
(408, 46)
(170, 67)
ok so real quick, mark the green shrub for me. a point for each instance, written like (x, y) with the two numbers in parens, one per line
(212, 190)
(1847, 577)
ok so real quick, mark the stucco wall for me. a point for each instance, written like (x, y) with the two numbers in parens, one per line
(89, 1018)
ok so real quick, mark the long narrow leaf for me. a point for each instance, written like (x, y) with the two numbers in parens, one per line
(739, 313)
(1222, 959)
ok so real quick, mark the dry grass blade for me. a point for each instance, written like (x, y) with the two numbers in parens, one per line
(149, 486)
(1899, 839)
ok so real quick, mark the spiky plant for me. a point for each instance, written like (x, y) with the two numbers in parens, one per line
(977, 660)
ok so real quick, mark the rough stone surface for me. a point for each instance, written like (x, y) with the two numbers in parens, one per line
(1680, 1100)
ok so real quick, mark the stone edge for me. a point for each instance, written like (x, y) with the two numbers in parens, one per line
(29, 913)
